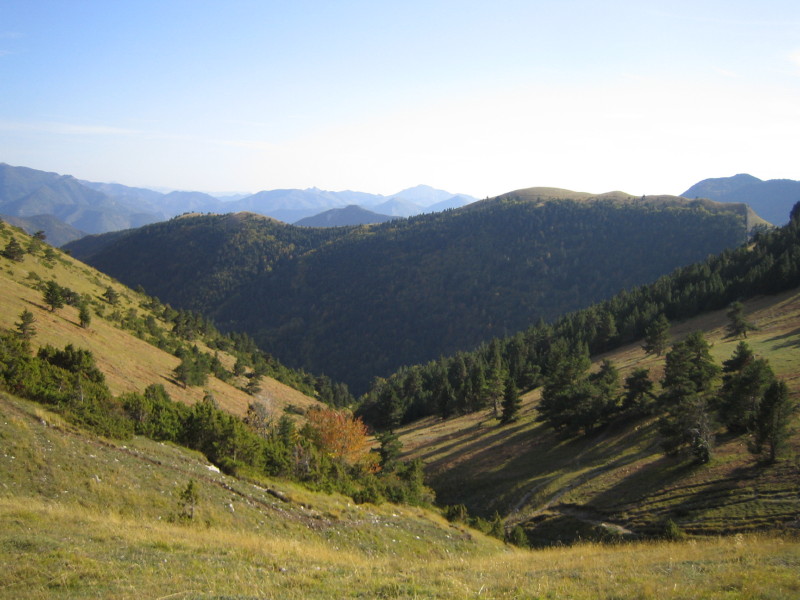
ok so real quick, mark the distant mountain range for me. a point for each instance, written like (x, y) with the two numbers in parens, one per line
(94, 207)
(66, 208)
(771, 200)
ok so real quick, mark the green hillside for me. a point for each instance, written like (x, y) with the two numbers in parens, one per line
(618, 482)
(356, 303)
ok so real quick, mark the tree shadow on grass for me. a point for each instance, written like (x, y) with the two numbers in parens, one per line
(786, 340)
(538, 457)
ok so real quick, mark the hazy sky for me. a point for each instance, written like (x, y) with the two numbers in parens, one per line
(473, 97)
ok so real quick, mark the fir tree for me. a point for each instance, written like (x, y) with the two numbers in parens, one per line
(656, 336)
(738, 326)
(511, 403)
(25, 326)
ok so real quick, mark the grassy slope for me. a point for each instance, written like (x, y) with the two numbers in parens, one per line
(129, 364)
(82, 517)
(558, 488)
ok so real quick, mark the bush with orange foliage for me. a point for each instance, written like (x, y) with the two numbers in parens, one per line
(339, 434)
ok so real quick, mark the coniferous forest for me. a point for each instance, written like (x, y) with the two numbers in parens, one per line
(556, 354)
(359, 302)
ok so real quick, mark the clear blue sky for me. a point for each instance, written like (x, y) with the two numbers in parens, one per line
(473, 97)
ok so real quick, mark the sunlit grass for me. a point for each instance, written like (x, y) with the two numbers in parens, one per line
(66, 551)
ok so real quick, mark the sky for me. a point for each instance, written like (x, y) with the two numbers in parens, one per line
(480, 98)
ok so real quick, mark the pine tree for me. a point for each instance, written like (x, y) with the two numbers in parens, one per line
(607, 329)
(745, 380)
(84, 315)
(13, 250)
(188, 499)
(688, 379)
(511, 403)
(772, 423)
(738, 326)
(390, 450)
(53, 295)
(656, 336)
(25, 326)
(111, 296)
(638, 391)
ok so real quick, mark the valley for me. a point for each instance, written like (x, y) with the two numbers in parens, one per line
(84, 515)
(360, 302)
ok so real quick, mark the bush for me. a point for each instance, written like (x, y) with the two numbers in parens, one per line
(670, 530)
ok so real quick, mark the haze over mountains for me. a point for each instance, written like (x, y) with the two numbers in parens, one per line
(771, 200)
(93, 207)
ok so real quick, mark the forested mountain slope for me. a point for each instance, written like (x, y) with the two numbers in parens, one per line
(356, 303)
(197, 261)
(687, 420)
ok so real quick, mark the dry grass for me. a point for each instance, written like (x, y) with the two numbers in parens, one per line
(65, 551)
(129, 363)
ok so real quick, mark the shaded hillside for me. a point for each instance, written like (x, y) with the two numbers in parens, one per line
(407, 292)
(772, 199)
(470, 381)
(358, 303)
(197, 261)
